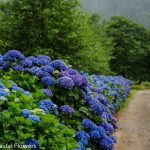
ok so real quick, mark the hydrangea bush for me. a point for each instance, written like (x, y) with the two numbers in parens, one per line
(81, 102)
(23, 121)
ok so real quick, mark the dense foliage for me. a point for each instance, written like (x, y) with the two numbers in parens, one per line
(53, 101)
(57, 28)
(131, 42)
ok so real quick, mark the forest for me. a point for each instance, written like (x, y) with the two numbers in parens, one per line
(63, 30)
(66, 69)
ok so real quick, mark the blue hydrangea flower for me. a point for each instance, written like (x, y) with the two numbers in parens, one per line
(4, 65)
(95, 134)
(48, 69)
(26, 113)
(34, 118)
(66, 82)
(81, 146)
(27, 63)
(35, 143)
(1, 57)
(66, 109)
(34, 70)
(18, 68)
(48, 80)
(87, 123)
(48, 92)
(2, 85)
(13, 55)
(16, 88)
(32, 59)
(4, 93)
(27, 93)
(41, 74)
(59, 64)
(43, 60)
(43, 107)
(48, 106)
(105, 116)
(106, 143)
(97, 107)
(83, 137)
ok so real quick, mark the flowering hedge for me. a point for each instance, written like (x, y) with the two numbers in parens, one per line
(59, 99)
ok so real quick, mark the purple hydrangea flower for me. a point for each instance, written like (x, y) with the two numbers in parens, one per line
(105, 116)
(114, 139)
(108, 127)
(72, 72)
(64, 73)
(67, 109)
(48, 92)
(77, 79)
(84, 81)
(48, 80)
(66, 82)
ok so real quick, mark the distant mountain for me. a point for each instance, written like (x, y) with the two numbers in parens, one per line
(138, 10)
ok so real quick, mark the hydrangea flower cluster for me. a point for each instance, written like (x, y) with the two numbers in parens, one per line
(67, 109)
(48, 92)
(83, 137)
(15, 87)
(100, 133)
(116, 88)
(102, 95)
(48, 106)
(34, 143)
(4, 92)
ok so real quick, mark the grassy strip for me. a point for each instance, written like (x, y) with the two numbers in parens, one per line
(130, 97)
(143, 86)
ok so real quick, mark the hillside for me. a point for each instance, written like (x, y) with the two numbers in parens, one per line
(134, 9)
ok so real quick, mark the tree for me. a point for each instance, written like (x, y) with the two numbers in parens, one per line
(131, 48)
(43, 24)
(56, 28)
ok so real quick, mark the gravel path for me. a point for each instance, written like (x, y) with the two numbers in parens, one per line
(134, 124)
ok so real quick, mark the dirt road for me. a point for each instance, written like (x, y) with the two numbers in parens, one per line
(134, 124)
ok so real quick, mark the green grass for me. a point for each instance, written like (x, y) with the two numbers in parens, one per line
(144, 86)
(130, 97)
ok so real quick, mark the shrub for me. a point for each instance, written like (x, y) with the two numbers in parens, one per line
(81, 102)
